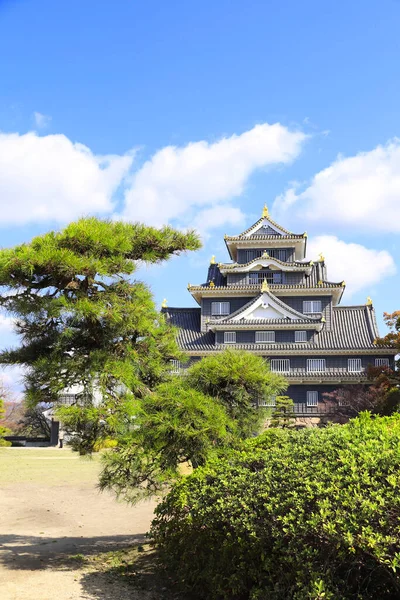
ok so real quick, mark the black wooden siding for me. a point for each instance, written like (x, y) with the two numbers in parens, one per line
(245, 256)
(296, 302)
(235, 304)
(298, 393)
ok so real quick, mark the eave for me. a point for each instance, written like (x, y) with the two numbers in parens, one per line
(325, 289)
(267, 325)
(299, 243)
(273, 352)
(266, 261)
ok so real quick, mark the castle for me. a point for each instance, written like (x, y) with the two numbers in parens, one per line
(273, 302)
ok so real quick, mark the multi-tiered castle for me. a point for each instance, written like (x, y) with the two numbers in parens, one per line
(271, 301)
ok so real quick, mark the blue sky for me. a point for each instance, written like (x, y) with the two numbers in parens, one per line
(197, 113)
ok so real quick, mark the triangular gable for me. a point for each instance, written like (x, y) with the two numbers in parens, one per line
(265, 307)
(265, 227)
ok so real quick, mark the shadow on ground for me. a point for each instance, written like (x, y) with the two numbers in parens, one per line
(33, 552)
(108, 568)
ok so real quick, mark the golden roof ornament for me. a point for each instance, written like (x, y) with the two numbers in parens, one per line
(321, 257)
(265, 254)
(211, 284)
(164, 303)
(319, 282)
(311, 263)
(305, 234)
(264, 287)
(212, 261)
(265, 213)
(343, 284)
(323, 320)
(369, 301)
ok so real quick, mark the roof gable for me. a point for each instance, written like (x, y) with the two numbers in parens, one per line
(265, 307)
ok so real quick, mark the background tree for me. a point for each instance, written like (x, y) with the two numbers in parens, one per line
(3, 430)
(380, 397)
(239, 380)
(81, 318)
(283, 413)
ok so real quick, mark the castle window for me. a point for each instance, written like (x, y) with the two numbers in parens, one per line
(176, 367)
(67, 399)
(280, 365)
(354, 365)
(312, 306)
(316, 364)
(263, 337)
(220, 308)
(271, 401)
(312, 398)
(269, 276)
(381, 362)
(229, 337)
(300, 336)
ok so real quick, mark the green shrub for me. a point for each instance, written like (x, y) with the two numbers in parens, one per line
(294, 515)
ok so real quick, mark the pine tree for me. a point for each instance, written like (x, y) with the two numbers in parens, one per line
(81, 317)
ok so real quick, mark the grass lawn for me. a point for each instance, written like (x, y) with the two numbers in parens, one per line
(49, 466)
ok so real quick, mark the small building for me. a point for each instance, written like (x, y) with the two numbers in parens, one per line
(273, 302)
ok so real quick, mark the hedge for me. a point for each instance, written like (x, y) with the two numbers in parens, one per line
(294, 514)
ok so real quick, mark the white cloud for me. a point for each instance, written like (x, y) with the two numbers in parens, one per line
(176, 180)
(44, 178)
(358, 266)
(222, 214)
(361, 191)
(41, 121)
(6, 324)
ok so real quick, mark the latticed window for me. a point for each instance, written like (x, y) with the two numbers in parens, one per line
(312, 398)
(300, 336)
(316, 364)
(267, 401)
(67, 399)
(281, 365)
(268, 276)
(381, 362)
(229, 337)
(220, 308)
(354, 365)
(263, 337)
(312, 306)
(176, 367)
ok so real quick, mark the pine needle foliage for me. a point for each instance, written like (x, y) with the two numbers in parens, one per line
(81, 317)
(172, 426)
(239, 380)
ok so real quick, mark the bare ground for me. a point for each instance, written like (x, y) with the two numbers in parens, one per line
(55, 528)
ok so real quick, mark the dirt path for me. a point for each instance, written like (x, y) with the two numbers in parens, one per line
(51, 518)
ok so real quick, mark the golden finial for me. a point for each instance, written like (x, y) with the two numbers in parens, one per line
(211, 284)
(343, 284)
(369, 301)
(212, 261)
(321, 257)
(305, 234)
(265, 287)
(265, 255)
(319, 282)
(164, 303)
(265, 211)
(311, 263)
(323, 320)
